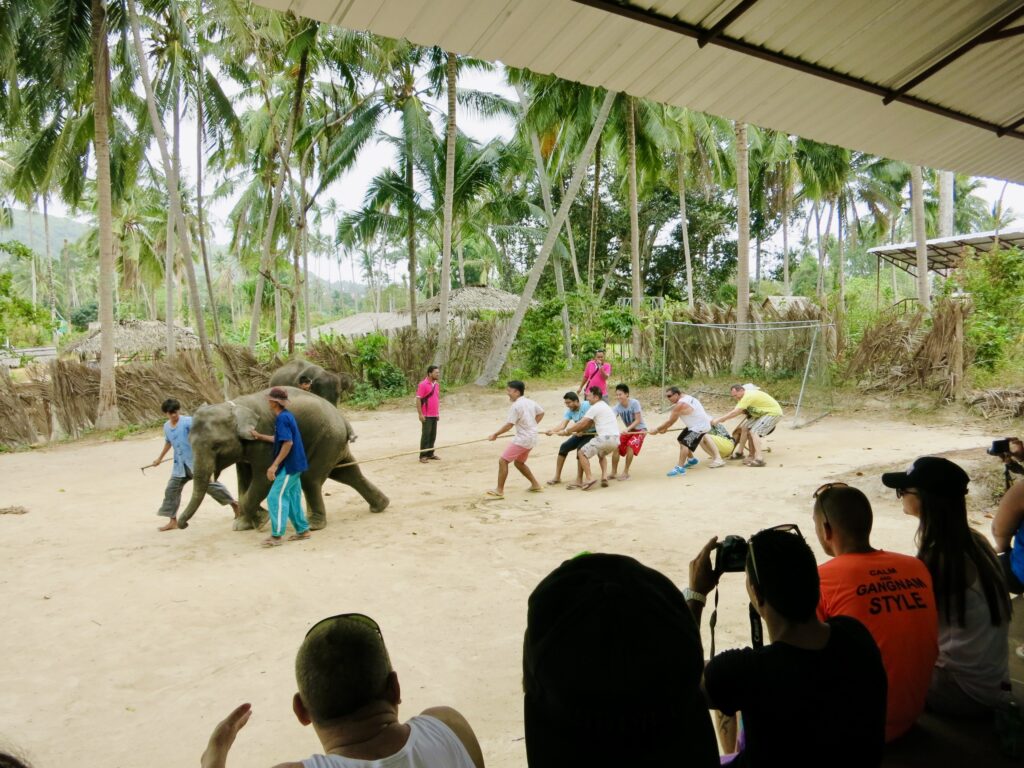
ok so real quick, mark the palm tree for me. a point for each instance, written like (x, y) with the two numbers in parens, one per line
(739, 357)
(917, 201)
(451, 72)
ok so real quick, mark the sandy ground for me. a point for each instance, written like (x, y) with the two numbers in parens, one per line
(122, 645)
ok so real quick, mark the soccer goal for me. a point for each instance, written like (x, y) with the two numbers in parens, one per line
(788, 359)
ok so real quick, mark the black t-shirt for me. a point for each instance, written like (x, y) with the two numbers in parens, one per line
(802, 707)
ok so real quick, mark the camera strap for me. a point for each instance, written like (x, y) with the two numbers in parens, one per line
(756, 627)
(712, 623)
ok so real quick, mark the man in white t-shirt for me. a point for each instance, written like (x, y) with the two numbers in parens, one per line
(601, 419)
(696, 426)
(349, 693)
(524, 415)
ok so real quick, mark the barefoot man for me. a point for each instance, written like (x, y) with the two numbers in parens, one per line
(574, 411)
(601, 419)
(176, 435)
(696, 426)
(524, 415)
(285, 497)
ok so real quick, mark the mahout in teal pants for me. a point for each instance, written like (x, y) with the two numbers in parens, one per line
(285, 502)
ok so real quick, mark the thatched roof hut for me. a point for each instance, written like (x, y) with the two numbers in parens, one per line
(360, 324)
(134, 340)
(474, 300)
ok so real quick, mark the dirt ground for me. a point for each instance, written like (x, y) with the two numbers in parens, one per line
(122, 645)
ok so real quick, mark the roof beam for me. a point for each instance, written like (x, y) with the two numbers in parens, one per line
(1003, 34)
(1010, 127)
(738, 10)
(695, 31)
(983, 36)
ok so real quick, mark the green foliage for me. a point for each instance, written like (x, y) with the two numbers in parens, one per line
(18, 315)
(539, 343)
(995, 282)
(378, 372)
(85, 314)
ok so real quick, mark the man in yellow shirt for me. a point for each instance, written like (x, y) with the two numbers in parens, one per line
(763, 413)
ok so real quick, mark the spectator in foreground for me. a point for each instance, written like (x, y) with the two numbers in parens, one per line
(889, 593)
(971, 676)
(350, 694)
(611, 670)
(1008, 534)
(814, 696)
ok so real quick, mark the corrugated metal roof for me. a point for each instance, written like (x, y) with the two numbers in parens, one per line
(945, 253)
(881, 44)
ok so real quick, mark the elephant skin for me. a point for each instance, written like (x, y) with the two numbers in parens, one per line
(328, 385)
(221, 437)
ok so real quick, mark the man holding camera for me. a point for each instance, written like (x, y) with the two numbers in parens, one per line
(828, 676)
(1008, 525)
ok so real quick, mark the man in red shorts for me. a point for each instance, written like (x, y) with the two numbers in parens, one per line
(628, 409)
(524, 415)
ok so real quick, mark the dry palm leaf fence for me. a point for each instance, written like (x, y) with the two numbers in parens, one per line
(708, 352)
(900, 353)
(17, 416)
(999, 403)
(244, 373)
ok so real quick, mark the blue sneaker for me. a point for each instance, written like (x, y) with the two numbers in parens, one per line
(692, 462)
(676, 472)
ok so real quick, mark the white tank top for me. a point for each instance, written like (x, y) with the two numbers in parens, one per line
(431, 744)
(698, 421)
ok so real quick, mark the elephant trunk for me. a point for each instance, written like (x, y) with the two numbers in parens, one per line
(200, 482)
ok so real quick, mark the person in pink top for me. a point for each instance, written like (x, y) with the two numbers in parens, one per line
(596, 374)
(428, 408)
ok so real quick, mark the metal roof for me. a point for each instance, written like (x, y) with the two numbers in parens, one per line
(939, 83)
(945, 253)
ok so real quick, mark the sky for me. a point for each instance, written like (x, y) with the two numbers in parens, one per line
(348, 192)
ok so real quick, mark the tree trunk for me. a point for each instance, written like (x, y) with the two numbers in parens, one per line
(275, 204)
(171, 166)
(199, 209)
(69, 276)
(757, 260)
(841, 258)
(462, 263)
(823, 250)
(634, 224)
(441, 355)
(32, 257)
(503, 342)
(572, 251)
(685, 228)
(595, 205)
(50, 287)
(169, 287)
(411, 234)
(545, 193)
(946, 206)
(107, 416)
(293, 304)
(917, 201)
(740, 351)
(785, 243)
(278, 319)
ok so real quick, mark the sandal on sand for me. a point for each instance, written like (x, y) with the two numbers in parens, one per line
(573, 486)
(604, 483)
(737, 457)
(300, 536)
(755, 463)
(495, 495)
(554, 482)
(433, 458)
(588, 485)
(272, 542)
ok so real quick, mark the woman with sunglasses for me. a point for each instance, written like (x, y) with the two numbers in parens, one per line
(971, 676)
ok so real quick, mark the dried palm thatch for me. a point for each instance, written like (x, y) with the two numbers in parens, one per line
(135, 340)
(900, 353)
(999, 403)
(244, 373)
(473, 301)
(141, 388)
(16, 423)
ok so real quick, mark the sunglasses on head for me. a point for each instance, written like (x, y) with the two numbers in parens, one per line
(828, 487)
(358, 618)
(784, 528)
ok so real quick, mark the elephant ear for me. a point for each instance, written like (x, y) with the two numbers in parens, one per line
(246, 420)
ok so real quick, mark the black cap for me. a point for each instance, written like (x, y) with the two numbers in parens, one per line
(612, 664)
(930, 473)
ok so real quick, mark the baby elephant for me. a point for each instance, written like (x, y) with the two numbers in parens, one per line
(221, 436)
(330, 386)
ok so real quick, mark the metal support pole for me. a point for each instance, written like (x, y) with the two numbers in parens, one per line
(803, 384)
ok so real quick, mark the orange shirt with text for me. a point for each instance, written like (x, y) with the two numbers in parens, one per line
(891, 595)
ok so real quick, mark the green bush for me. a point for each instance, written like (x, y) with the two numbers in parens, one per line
(995, 282)
(85, 314)
(539, 344)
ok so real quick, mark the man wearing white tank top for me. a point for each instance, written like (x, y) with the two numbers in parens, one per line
(696, 425)
(350, 695)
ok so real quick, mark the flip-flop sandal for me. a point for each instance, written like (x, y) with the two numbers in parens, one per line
(573, 486)
(271, 542)
(588, 486)
(604, 483)
(756, 463)
(495, 495)
(299, 537)
(535, 490)
(554, 482)
(433, 458)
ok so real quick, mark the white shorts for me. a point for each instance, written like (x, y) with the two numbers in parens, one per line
(601, 445)
(762, 426)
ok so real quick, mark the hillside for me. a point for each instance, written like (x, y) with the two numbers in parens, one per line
(61, 229)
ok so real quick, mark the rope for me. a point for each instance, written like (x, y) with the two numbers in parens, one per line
(457, 445)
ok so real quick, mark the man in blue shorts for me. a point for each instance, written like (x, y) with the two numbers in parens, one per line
(285, 498)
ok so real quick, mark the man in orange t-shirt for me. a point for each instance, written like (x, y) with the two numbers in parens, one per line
(889, 593)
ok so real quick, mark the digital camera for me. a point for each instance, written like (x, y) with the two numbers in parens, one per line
(999, 447)
(731, 555)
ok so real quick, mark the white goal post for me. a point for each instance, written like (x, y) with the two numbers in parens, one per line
(789, 358)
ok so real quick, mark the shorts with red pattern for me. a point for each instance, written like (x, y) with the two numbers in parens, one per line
(634, 441)
(515, 453)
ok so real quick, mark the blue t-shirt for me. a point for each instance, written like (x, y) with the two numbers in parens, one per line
(1017, 553)
(287, 429)
(178, 437)
(579, 413)
(630, 413)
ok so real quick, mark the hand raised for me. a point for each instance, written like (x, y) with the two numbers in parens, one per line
(223, 737)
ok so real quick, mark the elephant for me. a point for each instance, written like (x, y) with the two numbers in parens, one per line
(330, 386)
(221, 437)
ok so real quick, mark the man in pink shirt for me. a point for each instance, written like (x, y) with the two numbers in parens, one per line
(596, 374)
(428, 408)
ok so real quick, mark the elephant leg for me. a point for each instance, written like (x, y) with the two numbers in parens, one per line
(353, 476)
(253, 516)
(312, 489)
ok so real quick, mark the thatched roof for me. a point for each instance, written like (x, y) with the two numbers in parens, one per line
(358, 325)
(134, 338)
(785, 303)
(469, 301)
